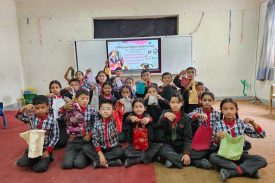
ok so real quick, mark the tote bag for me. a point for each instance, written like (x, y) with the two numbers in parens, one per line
(231, 147)
(140, 138)
(202, 138)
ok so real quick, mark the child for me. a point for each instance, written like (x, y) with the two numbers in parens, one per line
(167, 88)
(184, 80)
(69, 92)
(203, 116)
(77, 75)
(247, 165)
(79, 117)
(55, 103)
(104, 150)
(154, 107)
(117, 82)
(140, 118)
(107, 93)
(39, 120)
(126, 99)
(200, 88)
(129, 81)
(146, 80)
(177, 135)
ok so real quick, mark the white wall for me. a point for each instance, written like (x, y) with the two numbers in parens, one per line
(48, 28)
(262, 87)
(11, 74)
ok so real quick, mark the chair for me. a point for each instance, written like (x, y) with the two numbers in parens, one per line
(272, 96)
(28, 98)
(3, 115)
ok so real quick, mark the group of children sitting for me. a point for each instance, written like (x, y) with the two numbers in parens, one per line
(174, 123)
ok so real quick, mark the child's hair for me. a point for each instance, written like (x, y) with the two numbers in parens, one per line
(199, 83)
(106, 101)
(81, 92)
(54, 82)
(101, 72)
(128, 87)
(229, 100)
(144, 71)
(140, 100)
(40, 99)
(118, 69)
(177, 95)
(129, 78)
(107, 83)
(166, 74)
(74, 80)
(191, 68)
(208, 93)
(79, 72)
(151, 86)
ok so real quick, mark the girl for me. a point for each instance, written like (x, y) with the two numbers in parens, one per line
(154, 105)
(139, 118)
(203, 116)
(126, 99)
(129, 81)
(55, 103)
(247, 165)
(107, 93)
(177, 135)
(78, 75)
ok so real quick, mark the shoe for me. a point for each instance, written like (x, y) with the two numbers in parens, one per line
(168, 164)
(224, 173)
(256, 175)
(202, 163)
(130, 162)
(115, 162)
(158, 159)
(95, 165)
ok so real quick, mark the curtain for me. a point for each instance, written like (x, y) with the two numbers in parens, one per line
(267, 59)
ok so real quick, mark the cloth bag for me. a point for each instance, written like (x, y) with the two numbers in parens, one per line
(95, 99)
(118, 113)
(152, 100)
(57, 104)
(202, 138)
(127, 105)
(193, 95)
(35, 140)
(231, 147)
(140, 138)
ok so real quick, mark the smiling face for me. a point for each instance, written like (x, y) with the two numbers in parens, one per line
(83, 100)
(107, 89)
(129, 83)
(101, 77)
(138, 108)
(166, 79)
(146, 76)
(79, 76)
(75, 85)
(125, 92)
(152, 91)
(118, 73)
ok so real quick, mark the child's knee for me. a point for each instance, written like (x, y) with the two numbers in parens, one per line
(40, 168)
(22, 162)
(67, 165)
(79, 164)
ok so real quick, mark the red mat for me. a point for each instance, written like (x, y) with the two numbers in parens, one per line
(12, 147)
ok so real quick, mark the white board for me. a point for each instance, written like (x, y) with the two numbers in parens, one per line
(176, 53)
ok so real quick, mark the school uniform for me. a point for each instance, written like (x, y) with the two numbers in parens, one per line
(63, 136)
(104, 139)
(48, 124)
(177, 138)
(167, 91)
(155, 112)
(79, 124)
(116, 87)
(248, 163)
(153, 149)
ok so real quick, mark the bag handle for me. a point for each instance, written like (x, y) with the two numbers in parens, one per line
(143, 126)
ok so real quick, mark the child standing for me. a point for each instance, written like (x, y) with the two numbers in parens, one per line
(117, 82)
(177, 135)
(140, 119)
(104, 150)
(107, 93)
(80, 118)
(145, 81)
(247, 165)
(56, 101)
(39, 120)
(200, 88)
(207, 117)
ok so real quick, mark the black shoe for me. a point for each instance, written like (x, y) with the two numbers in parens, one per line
(202, 163)
(225, 174)
(115, 162)
(94, 164)
(130, 162)
(256, 175)
(168, 164)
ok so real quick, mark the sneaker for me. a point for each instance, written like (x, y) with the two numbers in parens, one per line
(203, 163)
(115, 162)
(168, 164)
(130, 162)
(225, 174)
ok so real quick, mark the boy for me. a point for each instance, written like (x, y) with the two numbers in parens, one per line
(184, 80)
(104, 150)
(117, 82)
(70, 91)
(39, 120)
(200, 88)
(79, 117)
(146, 79)
(167, 88)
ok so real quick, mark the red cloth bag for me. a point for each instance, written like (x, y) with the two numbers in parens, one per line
(140, 138)
(202, 138)
(118, 113)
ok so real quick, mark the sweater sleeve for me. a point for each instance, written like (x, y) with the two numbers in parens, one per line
(187, 133)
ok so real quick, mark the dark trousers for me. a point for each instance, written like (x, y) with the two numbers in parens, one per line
(158, 135)
(63, 136)
(110, 154)
(173, 154)
(249, 163)
(196, 155)
(37, 164)
(74, 156)
(144, 156)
